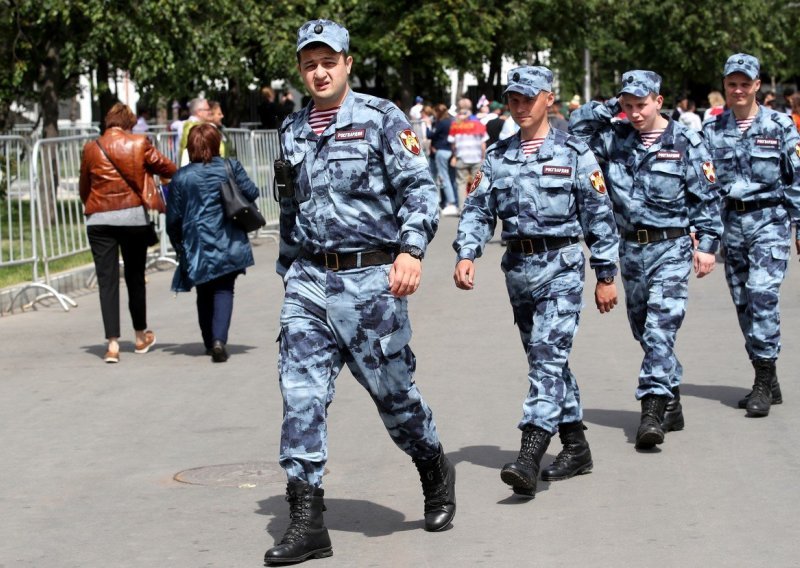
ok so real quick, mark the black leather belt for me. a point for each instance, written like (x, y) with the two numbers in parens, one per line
(348, 260)
(540, 244)
(748, 206)
(645, 236)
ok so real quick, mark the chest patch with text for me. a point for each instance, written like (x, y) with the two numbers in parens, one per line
(358, 134)
(768, 142)
(565, 171)
(668, 155)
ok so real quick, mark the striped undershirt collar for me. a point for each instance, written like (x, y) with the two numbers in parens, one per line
(649, 138)
(531, 146)
(744, 123)
(319, 120)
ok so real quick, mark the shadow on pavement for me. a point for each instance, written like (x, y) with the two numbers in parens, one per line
(350, 515)
(495, 458)
(625, 420)
(197, 349)
(486, 456)
(727, 395)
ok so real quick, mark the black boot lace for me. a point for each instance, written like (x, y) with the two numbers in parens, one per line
(434, 488)
(299, 515)
(531, 442)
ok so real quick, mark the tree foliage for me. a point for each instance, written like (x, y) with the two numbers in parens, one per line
(176, 48)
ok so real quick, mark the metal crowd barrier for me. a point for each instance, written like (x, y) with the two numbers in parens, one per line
(61, 228)
(42, 214)
(18, 220)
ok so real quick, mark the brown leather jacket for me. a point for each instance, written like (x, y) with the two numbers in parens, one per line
(102, 188)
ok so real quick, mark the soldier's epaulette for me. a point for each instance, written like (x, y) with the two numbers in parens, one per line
(379, 104)
(784, 120)
(715, 121)
(287, 122)
(500, 146)
(694, 138)
(577, 144)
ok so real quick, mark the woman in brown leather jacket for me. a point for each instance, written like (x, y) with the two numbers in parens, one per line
(113, 171)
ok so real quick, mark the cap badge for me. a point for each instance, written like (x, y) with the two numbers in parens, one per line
(318, 29)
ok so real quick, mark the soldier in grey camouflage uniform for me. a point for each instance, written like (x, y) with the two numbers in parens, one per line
(756, 152)
(662, 183)
(546, 198)
(354, 228)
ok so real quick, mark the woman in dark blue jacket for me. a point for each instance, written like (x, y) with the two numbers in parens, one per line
(212, 251)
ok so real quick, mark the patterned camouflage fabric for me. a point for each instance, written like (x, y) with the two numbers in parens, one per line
(529, 81)
(359, 186)
(548, 194)
(324, 31)
(742, 63)
(640, 83)
(349, 317)
(656, 282)
(671, 184)
(763, 164)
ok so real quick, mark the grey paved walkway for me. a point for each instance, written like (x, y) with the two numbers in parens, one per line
(89, 450)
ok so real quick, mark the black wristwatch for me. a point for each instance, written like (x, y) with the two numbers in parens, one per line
(606, 280)
(416, 252)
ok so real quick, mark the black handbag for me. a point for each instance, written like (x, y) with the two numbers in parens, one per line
(243, 213)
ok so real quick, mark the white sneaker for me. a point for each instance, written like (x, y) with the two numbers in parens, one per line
(450, 211)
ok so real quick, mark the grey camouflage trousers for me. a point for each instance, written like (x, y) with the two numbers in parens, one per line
(756, 247)
(349, 317)
(546, 293)
(656, 281)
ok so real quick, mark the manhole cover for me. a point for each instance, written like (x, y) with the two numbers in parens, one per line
(242, 475)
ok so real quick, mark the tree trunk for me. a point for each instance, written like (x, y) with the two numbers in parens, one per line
(105, 98)
(234, 110)
(50, 78)
(407, 85)
(5, 116)
(495, 71)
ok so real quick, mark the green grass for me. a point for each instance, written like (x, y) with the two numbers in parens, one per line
(21, 273)
(13, 275)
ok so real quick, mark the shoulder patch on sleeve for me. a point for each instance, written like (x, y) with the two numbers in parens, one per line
(476, 181)
(598, 181)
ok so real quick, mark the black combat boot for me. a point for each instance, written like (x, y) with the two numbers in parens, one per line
(438, 477)
(673, 413)
(575, 458)
(650, 431)
(775, 388)
(761, 396)
(306, 536)
(522, 474)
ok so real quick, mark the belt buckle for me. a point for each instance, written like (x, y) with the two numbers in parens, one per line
(525, 250)
(332, 265)
(740, 206)
(642, 236)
